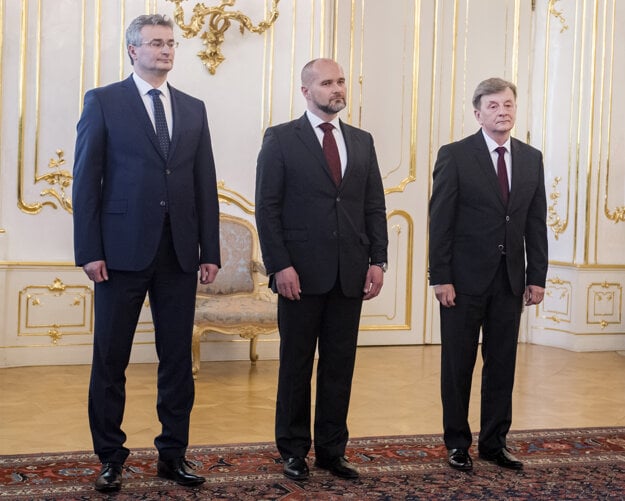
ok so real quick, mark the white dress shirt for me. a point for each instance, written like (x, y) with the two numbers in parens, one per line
(492, 146)
(144, 88)
(315, 121)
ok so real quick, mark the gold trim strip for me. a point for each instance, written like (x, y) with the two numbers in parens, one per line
(408, 292)
(586, 266)
(292, 76)
(543, 328)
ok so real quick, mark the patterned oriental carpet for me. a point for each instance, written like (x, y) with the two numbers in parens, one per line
(586, 464)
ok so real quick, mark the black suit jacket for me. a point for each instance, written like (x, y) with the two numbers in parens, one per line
(304, 220)
(469, 221)
(123, 184)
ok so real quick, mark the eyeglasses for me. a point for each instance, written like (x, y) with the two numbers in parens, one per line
(157, 43)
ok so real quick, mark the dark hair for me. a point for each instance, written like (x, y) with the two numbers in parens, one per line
(491, 86)
(133, 32)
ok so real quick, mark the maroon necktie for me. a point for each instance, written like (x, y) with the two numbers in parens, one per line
(502, 174)
(331, 152)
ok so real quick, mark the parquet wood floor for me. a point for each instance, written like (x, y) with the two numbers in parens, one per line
(395, 392)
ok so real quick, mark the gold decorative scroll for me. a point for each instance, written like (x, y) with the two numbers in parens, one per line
(218, 22)
(553, 219)
(59, 177)
(558, 15)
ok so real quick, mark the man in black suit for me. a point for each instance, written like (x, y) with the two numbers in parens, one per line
(321, 219)
(146, 217)
(487, 215)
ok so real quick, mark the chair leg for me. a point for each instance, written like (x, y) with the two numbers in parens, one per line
(195, 351)
(253, 354)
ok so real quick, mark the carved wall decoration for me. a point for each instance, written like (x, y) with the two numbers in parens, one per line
(605, 302)
(556, 305)
(219, 20)
(55, 310)
(553, 219)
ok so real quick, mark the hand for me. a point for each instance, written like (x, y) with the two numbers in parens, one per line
(533, 295)
(208, 273)
(287, 283)
(373, 282)
(446, 295)
(96, 271)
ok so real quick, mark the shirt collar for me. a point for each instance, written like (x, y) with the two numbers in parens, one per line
(315, 121)
(144, 87)
(492, 144)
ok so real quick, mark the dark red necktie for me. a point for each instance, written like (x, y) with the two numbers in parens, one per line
(331, 152)
(502, 174)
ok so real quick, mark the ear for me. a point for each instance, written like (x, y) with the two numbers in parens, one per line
(477, 115)
(132, 52)
(304, 91)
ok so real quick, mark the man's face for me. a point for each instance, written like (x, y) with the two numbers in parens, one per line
(325, 89)
(497, 112)
(155, 60)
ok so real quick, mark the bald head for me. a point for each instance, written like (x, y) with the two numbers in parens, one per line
(311, 68)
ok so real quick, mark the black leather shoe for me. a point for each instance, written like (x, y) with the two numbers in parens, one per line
(459, 459)
(295, 468)
(179, 470)
(504, 459)
(110, 478)
(338, 466)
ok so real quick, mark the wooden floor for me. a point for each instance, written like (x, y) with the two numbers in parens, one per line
(395, 392)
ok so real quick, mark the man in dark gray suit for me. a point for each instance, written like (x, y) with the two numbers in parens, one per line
(146, 217)
(487, 215)
(321, 219)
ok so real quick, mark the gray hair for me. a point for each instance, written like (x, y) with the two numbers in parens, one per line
(491, 86)
(133, 32)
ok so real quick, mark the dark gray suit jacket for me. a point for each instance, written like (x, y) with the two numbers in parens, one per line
(469, 221)
(123, 184)
(304, 220)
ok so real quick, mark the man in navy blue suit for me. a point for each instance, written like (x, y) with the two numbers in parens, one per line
(146, 218)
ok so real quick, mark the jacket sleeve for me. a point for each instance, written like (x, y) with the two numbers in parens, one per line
(270, 179)
(536, 242)
(89, 164)
(443, 204)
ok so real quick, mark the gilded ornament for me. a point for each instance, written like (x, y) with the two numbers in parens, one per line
(218, 22)
(553, 219)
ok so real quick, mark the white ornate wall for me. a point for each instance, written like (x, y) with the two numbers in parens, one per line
(411, 66)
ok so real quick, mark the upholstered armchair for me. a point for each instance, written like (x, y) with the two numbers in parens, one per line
(237, 302)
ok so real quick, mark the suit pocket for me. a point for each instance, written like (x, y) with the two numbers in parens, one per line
(115, 206)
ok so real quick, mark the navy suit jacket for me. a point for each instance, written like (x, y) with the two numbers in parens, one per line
(469, 220)
(304, 220)
(123, 185)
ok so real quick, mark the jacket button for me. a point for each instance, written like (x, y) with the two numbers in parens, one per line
(507, 218)
(163, 203)
(167, 171)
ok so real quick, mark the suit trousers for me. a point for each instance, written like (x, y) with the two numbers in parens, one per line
(118, 302)
(330, 321)
(497, 313)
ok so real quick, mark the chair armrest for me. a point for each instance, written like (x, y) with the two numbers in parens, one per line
(258, 267)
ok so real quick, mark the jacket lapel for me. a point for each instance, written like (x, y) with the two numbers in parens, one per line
(137, 109)
(485, 162)
(307, 135)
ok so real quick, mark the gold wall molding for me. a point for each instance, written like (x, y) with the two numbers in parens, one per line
(605, 301)
(399, 271)
(55, 310)
(219, 20)
(59, 178)
(556, 306)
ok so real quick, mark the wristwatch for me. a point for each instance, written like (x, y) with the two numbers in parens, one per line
(382, 265)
